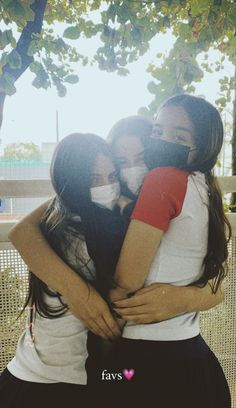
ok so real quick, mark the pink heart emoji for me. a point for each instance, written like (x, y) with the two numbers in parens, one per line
(128, 373)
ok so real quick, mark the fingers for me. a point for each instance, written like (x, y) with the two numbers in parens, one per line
(93, 328)
(104, 325)
(140, 319)
(99, 328)
(112, 326)
(131, 302)
(147, 289)
(132, 311)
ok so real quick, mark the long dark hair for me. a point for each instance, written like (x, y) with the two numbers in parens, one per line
(137, 126)
(72, 215)
(208, 137)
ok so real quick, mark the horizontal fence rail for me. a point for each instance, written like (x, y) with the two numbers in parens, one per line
(43, 187)
(5, 227)
(26, 188)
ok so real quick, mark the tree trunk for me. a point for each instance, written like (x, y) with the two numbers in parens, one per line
(2, 100)
(22, 46)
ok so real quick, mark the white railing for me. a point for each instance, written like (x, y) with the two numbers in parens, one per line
(26, 188)
(43, 188)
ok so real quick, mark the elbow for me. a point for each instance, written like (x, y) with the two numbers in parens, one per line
(16, 233)
(221, 294)
(12, 233)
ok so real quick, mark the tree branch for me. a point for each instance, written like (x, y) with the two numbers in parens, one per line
(22, 46)
(32, 27)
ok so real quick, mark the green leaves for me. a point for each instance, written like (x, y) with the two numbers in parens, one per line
(72, 33)
(48, 74)
(72, 79)
(6, 38)
(7, 84)
(19, 11)
(14, 60)
(33, 48)
(126, 29)
(199, 6)
(22, 151)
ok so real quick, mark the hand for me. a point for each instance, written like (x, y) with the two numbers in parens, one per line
(93, 311)
(116, 294)
(152, 304)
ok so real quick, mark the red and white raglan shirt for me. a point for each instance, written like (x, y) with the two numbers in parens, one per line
(176, 202)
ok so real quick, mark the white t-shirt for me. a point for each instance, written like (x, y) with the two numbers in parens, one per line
(177, 203)
(58, 350)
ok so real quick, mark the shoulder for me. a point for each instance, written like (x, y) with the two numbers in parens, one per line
(161, 197)
(167, 174)
(166, 179)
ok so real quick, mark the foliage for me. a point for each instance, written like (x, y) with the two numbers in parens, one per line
(198, 26)
(125, 29)
(21, 151)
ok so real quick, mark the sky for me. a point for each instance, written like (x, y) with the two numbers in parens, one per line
(92, 105)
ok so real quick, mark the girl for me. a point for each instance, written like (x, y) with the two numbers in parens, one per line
(176, 235)
(50, 358)
(128, 138)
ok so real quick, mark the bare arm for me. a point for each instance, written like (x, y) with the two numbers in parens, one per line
(200, 299)
(140, 245)
(159, 302)
(88, 306)
(33, 247)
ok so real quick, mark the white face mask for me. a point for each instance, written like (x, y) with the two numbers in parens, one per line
(106, 196)
(133, 177)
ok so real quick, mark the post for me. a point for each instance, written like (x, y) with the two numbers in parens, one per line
(57, 127)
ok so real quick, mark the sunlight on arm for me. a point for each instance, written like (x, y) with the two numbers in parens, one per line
(140, 246)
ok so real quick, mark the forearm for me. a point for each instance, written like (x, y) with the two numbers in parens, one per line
(40, 258)
(158, 302)
(196, 299)
(140, 245)
(139, 248)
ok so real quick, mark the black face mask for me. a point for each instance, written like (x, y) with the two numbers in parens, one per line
(160, 153)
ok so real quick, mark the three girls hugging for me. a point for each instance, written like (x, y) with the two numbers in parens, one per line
(131, 248)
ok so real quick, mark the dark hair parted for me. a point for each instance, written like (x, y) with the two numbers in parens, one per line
(208, 137)
(135, 126)
(72, 218)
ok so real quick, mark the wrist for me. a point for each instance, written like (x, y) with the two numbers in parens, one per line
(118, 293)
(191, 296)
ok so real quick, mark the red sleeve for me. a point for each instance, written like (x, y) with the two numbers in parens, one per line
(161, 197)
